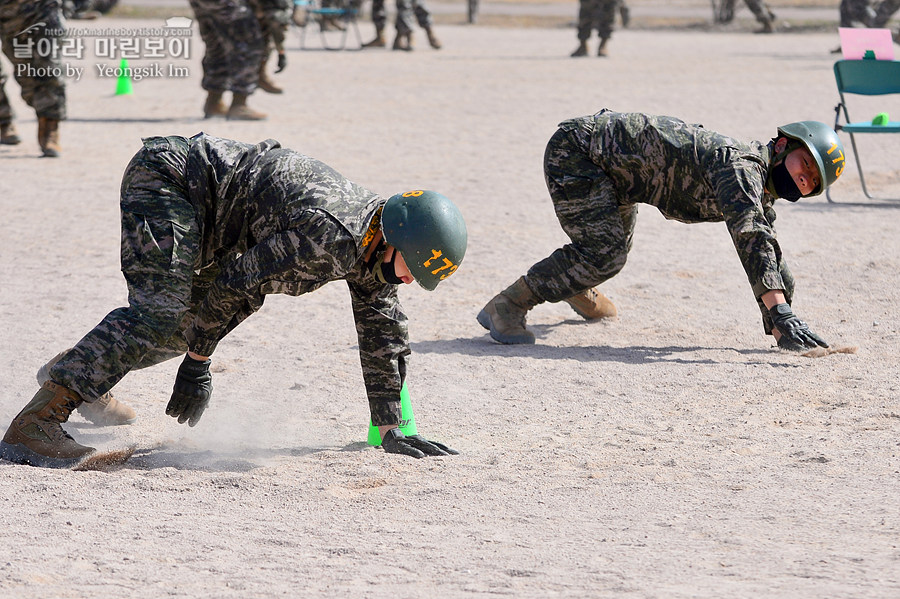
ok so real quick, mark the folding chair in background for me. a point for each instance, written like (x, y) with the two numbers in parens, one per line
(866, 77)
(334, 21)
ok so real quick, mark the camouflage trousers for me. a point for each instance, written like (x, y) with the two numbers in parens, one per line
(856, 11)
(234, 45)
(596, 14)
(6, 112)
(36, 66)
(586, 204)
(160, 245)
(886, 8)
(406, 11)
(724, 13)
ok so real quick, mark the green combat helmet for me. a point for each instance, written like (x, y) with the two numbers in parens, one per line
(823, 143)
(428, 231)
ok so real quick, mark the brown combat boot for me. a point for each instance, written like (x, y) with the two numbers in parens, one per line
(36, 435)
(581, 50)
(403, 42)
(239, 110)
(48, 136)
(106, 411)
(601, 50)
(504, 316)
(8, 134)
(378, 42)
(266, 84)
(433, 41)
(592, 304)
(214, 106)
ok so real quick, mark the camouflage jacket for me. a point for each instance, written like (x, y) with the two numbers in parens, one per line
(276, 221)
(691, 175)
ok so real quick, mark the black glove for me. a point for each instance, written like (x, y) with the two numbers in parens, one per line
(416, 446)
(193, 387)
(795, 334)
(282, 62)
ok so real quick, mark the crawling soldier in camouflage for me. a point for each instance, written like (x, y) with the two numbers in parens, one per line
(209, 228)
(599, 168)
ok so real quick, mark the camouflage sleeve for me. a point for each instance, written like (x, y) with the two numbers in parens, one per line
(381, 327)
(294, 261)
(738, 183)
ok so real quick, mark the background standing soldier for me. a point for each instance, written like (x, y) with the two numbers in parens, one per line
(724, 13)
(23, 24)
(599, 168)
(274, 19)
(209, 228)
(406, 11)
(599, 15)
(234, 53)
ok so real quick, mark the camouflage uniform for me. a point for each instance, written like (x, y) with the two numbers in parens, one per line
(856, 11)
(210, 227)
(599, 168)
(406, 10)
(886, 8)
(725, 13)
(596, 14)
(274, 18)
(6, 112)
(45, 93)
(234, 45)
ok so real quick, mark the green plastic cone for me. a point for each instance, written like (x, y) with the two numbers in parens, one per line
(123, 85)
(407, 420)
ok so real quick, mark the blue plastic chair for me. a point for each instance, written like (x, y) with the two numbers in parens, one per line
(868, 78)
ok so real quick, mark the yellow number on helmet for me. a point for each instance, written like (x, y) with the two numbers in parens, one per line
(413, 194)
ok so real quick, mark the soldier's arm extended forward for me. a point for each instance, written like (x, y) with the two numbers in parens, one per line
(381, 327)
(739, 188)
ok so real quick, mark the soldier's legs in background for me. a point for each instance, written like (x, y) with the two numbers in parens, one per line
(379, 19)
(216, 79)
(47, 95)
(403, 23)
(8, 134)
(423, 18)
(886, 8)
(763, 15)
(586, 10)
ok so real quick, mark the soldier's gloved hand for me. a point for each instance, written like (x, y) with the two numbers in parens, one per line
(795, 334)
(193, 388)
(282, 62)
(417, 446)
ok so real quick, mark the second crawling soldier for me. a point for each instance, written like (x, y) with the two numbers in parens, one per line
(599, 168)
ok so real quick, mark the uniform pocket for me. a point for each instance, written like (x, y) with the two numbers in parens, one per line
(151, 245)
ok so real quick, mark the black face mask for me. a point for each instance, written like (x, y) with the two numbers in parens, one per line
(784, 183)
(386, 272)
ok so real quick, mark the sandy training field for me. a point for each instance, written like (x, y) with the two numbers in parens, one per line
(672, 452)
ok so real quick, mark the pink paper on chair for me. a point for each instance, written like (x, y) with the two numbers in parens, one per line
(855, 42)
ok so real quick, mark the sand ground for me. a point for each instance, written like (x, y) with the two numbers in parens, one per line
(672, 452)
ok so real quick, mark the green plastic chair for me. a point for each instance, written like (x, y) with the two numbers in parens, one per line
(865, 77)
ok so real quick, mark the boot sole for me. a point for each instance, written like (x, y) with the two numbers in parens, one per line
(18, 454)
(484, 319)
